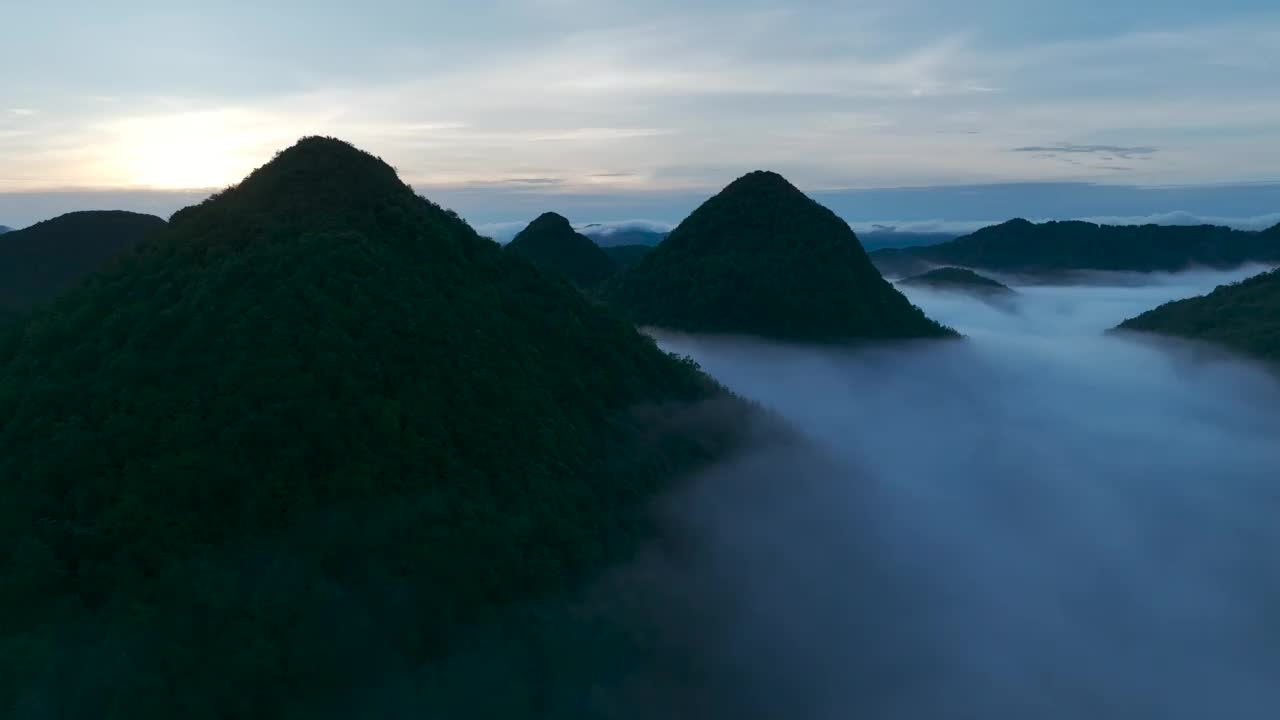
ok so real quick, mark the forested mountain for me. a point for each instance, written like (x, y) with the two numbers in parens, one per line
(551, 243)
(960, 279)
(609, 237)
(624, 255)
(38, 262)
(1243, 316)
(308, 437)
(1054, 247)
(761, 258)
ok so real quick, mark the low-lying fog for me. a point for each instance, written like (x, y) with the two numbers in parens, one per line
(1041, 521)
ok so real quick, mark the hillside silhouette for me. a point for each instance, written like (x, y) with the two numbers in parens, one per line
(958, 279)
(761, 258)
(551, 243)
(316, 431)
(1243, 316)
(38, 262)
(1055, 247)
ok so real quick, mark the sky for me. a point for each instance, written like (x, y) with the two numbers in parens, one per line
(614, 110)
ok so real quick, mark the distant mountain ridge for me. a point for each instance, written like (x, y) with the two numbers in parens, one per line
(4, 229)
(40, 261)
(1020, 246)
(551, 243)
(1243, 316)
(762, 258)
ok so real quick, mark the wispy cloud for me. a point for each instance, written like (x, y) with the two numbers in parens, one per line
(1120, 151)
(883, 94)
(533, 181)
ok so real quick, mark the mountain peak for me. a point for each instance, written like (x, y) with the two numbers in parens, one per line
(337, 380)
(762, 258)
(325, 163)
(760, 181)
(551, 243)
(551, 220)
(320, 176)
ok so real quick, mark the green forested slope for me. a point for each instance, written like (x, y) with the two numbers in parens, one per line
(315, 427)
(761, 258)
(550, 242)
(624, 255)
(1243, 316)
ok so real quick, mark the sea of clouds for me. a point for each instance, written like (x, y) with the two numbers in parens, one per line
(1041, 521)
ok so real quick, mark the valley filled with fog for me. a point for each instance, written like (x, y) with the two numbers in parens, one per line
(1043, 520)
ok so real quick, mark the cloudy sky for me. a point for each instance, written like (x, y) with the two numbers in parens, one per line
(635, 109)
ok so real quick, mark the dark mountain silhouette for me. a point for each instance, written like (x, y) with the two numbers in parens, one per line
(4, 229)
(38, 262)
(1055, 247)
(1243, 316)
(959, 279)
(551, 243)
(622, 236)
(624, 255)
(315, 434)
(761, 258)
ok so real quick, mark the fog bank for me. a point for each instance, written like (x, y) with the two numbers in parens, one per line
(1038, 522)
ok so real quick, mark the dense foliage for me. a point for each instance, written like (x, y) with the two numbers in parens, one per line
(953, 278)
(761, 258)
(624, 255)
(551, 243)
(316, 427)
(38, 262)
(1243, 316)
(1052, 247)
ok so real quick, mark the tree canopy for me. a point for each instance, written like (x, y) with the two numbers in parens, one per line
(1055, 247)
(551, 243)
(316, 423)
(624, 255)
(1243, 316)
(761, 258)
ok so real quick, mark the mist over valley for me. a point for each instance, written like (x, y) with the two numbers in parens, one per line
(1041, 520)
